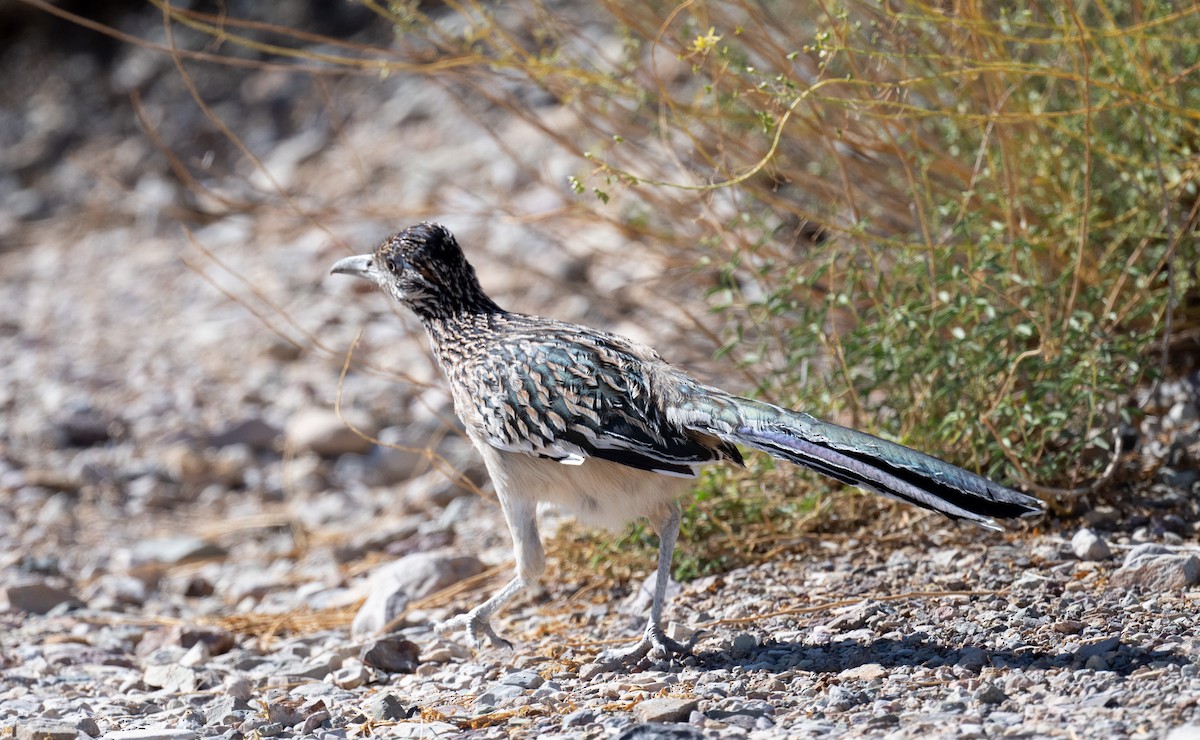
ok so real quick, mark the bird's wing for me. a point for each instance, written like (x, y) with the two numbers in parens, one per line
(570, 395)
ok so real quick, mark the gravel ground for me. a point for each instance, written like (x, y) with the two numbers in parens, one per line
(189, 528)
(957, 636)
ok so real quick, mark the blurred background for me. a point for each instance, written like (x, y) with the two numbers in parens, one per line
(965, 228)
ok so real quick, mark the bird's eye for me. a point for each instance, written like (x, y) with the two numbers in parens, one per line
(390, 263)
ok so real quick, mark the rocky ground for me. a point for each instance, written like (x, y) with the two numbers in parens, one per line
(189, 527)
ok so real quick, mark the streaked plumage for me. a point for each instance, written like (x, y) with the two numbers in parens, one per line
(605, 427)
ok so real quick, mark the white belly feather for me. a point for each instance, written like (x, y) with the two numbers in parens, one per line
(597, 492)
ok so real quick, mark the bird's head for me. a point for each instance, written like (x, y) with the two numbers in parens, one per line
(424, 268)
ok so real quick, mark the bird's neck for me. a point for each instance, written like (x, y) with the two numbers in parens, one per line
(441, 315)
(464, 305)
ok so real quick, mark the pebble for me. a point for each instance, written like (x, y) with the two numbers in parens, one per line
(47, 730)
(498, 695)
(227, 710)
(579, 718)
(414, 576)
(152, 733)
(33, 596)
(661, 731)
(176, 549)
(386, 708)
(253, 432)
(990, 693)
(1087, 545)
(1158, 572)
(171, 677)
(743, 645)
(865, 672)
(390, 654)
(321, 431)
(665, 709)
(524, 679)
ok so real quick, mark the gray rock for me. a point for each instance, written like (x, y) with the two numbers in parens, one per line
(973, 658)
(287, 712)
(319, 430)
(661, 731)
(1087, 545)
(45, 729)
(351, 675)
(216, 640)
(432, 490)
(386, 708)
(33, 596)
(1098, 648)
(525, 679)
(252, 432)
(865, 672)
(498, 694)
(114, 590)
(411, 577)
(854, 617)
(990, 693)
(152, 733)
(665, 709)
(227, 710)
(1102, 517)
(85, 426)
(579, 718)
(840, 698)
(320, 666)
(177, 549)
(1181, 479)
(401, 455)
(589, 671)
(1146, 549)
(317, 719)
(197, 655)
(237, 687)
(743, 644)
(391, 654)
(88, 726)
(1158, 572)
(171, 676)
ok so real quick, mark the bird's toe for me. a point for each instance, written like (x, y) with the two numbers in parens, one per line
(477, 628)
(653, 643)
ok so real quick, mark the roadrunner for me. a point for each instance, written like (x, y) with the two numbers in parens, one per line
(604, 427)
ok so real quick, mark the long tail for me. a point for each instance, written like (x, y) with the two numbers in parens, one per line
(856, 458)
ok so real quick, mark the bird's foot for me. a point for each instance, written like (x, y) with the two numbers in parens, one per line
(477, 627)
(653, 643)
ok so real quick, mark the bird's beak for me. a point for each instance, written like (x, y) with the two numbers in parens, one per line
(358, 266)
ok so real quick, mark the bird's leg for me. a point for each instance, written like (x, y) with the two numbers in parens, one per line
(478, 621)
(654, 641)
(521, 516)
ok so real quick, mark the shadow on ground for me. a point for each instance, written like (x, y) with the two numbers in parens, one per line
(835, 657)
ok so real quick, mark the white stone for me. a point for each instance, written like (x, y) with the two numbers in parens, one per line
(1087, 545)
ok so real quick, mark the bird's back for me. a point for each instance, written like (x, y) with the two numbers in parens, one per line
(537, 386)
